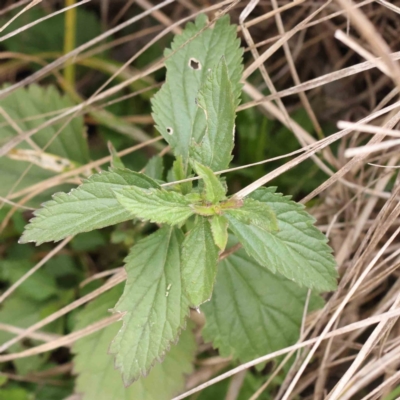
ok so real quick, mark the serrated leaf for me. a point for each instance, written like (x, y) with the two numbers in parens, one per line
(91, 206)
(214, 189)
(219, 229)
(298, 250)
(155, 168)
(188, 62)
(199, 262)
(153, 304)
(156, 205)
(217, 100)
(97, 378)
(253, 312)
(254, 212)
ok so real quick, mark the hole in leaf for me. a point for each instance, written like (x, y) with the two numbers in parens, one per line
(194, 64)
(170, 131)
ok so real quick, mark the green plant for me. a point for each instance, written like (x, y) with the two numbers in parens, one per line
(175, 267)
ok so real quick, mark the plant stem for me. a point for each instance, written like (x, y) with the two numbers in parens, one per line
(70, 40)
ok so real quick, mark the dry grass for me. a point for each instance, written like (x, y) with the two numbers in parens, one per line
(338, 61)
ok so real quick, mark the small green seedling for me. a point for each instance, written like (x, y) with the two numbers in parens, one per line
(256, 293)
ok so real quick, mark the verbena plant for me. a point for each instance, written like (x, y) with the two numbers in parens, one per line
(258, 294)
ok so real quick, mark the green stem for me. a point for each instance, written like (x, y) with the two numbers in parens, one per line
(70, 40)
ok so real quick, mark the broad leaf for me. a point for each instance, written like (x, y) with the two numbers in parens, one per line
(252, 311)
(217, 100)
(298, 250)
(97, 378)
(156, 205)
(214, 189)
(199, 262)
(91, 206)
(254, 212)
(153, 304)
(219, 229)
(193, 53)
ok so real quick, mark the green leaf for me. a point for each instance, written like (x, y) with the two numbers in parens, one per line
(298, 250)
(154, 168)
(218, 102)
(153, 305)
(193, 53)
(199, 262)
(219, 229)
(254, 212)
(253, 312)
(156, 205)
(214, 189)
(177, 173)
(91, 206)
(97, 378)
(29, 108)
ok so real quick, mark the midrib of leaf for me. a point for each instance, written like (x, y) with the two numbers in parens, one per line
(152, 265)
(90, 206)
(155, 205)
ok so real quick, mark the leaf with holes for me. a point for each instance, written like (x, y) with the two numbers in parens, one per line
(217, 100)
(91, 206)
(97, 378)
(298, 250)
(253, 312)
(199, 262)
(156, 205)
(153, 304)
(192, 55)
